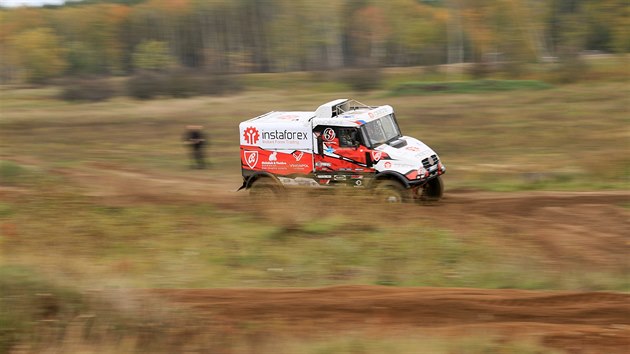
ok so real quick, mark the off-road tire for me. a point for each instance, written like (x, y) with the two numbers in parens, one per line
(264, 189)
(433, 190)
(390, 191)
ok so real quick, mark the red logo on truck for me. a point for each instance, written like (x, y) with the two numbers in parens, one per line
(251, 135)
(298, 155)
(251, 158)
(329, 134)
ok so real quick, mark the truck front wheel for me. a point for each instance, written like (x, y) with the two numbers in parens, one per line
(390, 191)
(432, 190)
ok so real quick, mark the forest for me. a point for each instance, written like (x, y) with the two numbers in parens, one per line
(123, 37)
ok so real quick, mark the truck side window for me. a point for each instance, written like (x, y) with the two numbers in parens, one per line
(348, 137)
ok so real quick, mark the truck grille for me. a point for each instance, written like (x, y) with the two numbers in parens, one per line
(430, 161)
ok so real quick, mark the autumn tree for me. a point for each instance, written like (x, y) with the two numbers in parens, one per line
(228, 36)
(416, 32)
(38, 53)
(306, 35)
(608, 25)
(152, 55)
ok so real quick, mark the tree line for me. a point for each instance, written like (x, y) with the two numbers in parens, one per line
(121, 37)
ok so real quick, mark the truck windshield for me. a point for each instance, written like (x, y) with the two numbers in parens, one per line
(381, 131)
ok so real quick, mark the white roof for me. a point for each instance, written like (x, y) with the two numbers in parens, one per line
(351, 118)
(284, 117)
(356, 117)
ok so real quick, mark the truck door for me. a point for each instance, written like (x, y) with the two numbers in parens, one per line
(342, 150)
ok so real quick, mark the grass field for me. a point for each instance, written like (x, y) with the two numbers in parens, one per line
(61, 233)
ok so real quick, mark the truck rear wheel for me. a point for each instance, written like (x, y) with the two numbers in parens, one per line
(264, 188)
(390, 191)
(432, 191)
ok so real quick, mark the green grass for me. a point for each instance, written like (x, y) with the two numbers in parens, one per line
(11, 173)
(478, 86)
(567, 135)
(25, 298)
(199, 245)
(473, 344)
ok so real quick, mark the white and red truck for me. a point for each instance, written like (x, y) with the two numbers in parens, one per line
(342, 143)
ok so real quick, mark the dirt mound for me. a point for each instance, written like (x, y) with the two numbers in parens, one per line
(589, 322)
(563, 227)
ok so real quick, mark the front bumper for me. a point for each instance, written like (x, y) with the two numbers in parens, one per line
(427, 174)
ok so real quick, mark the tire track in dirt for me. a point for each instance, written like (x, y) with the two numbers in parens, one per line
(417, 306)
(592, 321)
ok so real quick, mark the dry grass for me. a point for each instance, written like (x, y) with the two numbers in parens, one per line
(568, 137)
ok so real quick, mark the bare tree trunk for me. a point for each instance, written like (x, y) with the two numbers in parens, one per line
(455, 40)
(526, 13)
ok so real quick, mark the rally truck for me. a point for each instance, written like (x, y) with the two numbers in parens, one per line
(342, 143)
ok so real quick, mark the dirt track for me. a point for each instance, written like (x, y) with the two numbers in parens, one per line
(583, 322)
(572, 229)
(579, 230)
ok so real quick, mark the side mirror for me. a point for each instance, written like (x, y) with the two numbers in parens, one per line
(320, 145)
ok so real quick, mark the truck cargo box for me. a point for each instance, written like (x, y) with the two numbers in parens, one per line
(278, 142)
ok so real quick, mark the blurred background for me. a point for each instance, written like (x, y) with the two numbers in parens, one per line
(121, 38)
(103, 225)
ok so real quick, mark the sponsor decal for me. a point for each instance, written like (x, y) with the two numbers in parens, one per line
(328, 149)
(388, 164)
(298, 155)
(358, 182)
(276, 162)
(256, 136)
(356, 176)
(323, 164)
(272, 162)
(378, 112)
(283, 135)
(324, 176)
(251, 135)
(329, 134)
(340, 177)
(413, 148)
(251, 158)
(360, 122)
(376, 155)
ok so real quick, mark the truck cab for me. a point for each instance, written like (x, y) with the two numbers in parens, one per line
(341, 143)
